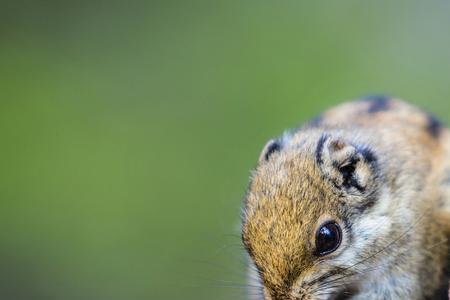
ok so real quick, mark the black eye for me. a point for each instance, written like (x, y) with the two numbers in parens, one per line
(328, 238)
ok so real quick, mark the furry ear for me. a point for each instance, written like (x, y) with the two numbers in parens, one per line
(349, 167)
(271, 147)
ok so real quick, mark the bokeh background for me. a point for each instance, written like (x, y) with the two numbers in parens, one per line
(128, 129)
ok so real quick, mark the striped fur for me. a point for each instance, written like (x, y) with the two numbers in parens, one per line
(380, 168)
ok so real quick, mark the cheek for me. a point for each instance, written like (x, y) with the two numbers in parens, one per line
(368, 235)
(371, 231)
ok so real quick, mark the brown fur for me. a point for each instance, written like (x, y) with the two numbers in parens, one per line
(394, 212)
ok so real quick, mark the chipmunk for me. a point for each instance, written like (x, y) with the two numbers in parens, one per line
(354, 205)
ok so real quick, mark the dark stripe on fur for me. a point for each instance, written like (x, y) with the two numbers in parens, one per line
(434, 126)
(272, 148)
(368, 155)
(319, 149)
(378, 103)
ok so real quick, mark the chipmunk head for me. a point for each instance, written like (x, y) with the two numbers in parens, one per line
(305, 222)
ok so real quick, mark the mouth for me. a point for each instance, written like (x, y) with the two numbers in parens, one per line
(346, 293)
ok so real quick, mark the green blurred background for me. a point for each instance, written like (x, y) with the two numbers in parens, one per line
(128, 129)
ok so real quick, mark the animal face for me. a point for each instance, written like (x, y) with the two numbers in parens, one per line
(308, 223)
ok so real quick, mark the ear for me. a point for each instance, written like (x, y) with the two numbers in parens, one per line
(349, 167)
(271, 147)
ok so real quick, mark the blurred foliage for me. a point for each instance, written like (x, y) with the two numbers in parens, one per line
(129, 128)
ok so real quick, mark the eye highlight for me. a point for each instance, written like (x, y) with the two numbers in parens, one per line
(328, 238)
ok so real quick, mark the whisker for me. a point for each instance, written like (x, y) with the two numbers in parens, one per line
(393, 242)
(340, 280)
(437, 244)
